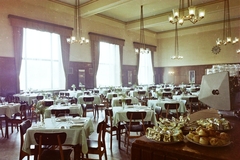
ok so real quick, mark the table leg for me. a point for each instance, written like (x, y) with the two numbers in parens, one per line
(6, 127)
(119, 136)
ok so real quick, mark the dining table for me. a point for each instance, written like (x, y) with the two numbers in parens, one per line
(134, 93)
(120, 115)
(161, 102)
(7, 110)
(115, 100)
(77, 133)
(72, 93)
(27, 97)
(97, 99)
(74, 109)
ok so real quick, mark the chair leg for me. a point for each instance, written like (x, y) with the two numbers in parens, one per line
(111, 140)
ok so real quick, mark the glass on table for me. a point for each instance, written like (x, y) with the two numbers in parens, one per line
(53, 119)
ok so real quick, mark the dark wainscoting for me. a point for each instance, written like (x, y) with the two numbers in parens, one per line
(7, 76)
(181, 74)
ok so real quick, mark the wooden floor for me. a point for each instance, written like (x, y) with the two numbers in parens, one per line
(9, 148)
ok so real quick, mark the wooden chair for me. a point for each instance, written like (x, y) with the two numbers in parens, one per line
(167, 95)
(109, 126)
(88, 106)
(171, 106)
(23, 129)
(60, 112)
(39, 98)
(2, 118)
(54, 139)
(16, 119)
(158, 112)
(142, 97)
(48, 103)
(135, 124)
(127, 101)
(194, 104)
(98, 146)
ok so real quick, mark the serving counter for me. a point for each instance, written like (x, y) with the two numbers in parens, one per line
(144, 148)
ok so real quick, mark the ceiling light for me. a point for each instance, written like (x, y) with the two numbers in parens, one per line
(78, 30)
(179, 17)
(176, 54)
(227, 37)
(143, 48)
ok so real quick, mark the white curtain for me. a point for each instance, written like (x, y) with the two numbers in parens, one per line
(42, 67)
(109, 69)
(145, 71)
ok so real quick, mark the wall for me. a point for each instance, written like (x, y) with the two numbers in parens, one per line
(195, 44)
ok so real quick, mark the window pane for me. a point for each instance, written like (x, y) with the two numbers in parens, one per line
(42, 67)
(145, 74)
(108, 73)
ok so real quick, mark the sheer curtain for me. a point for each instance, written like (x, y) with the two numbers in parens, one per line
(109, 70)
(145, 71)
(42, 66)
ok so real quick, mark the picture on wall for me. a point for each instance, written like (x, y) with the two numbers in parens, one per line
(191, 76)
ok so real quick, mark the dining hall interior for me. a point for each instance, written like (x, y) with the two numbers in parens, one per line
(171, 62)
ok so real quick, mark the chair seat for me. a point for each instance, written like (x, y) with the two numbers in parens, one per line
(55, 154)
(92, 144)
(135, 128)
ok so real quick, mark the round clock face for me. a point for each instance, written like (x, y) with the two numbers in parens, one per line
(216, 49)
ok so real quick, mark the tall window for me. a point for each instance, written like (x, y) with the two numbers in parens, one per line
(109, 70)
(145, 72)
(42, 66)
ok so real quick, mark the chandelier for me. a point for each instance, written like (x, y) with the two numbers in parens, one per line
(78, 32)
(176, 55)
(143, 48)
(178, 14)
(227, 38)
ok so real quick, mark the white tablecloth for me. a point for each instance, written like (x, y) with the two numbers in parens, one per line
(74, 94)
(26, 97)
(74, 109)
(115, 101)
(9, 109)
(134, 93)
(75, 135)
(120, 114)
(110, 95)
(153, 103)
(97, 99)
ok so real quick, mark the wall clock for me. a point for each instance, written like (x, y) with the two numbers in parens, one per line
(216, 49)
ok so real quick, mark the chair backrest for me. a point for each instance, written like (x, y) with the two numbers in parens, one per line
(88, 99)
(101, 130)
(23, 129)
(48, 103)
(158, 111)
(108, 116)
(171, 105)
(96, 91)
(141, 93)
(193, 99)
(114, 95)
(136, 116)
(67, 94)
(23, 111)
(39, 98)
(167, 95)
(50, 139)
(60, 112)
(86, 92)
(128, 101)
(16, 99)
